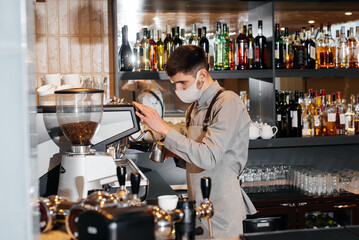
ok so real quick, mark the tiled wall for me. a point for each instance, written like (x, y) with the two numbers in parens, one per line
(74, 36)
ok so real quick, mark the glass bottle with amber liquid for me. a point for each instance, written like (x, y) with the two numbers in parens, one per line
(260, 48)
(317, 118)
(159, 52)
(310, 49)
(287, 50)
(322, 108)
(250, 49)
(168, 45)
(241, 47)
(153, 51)
(331, 112)
(328, 53)
(227, 45)
(340, 116)
(278, 48)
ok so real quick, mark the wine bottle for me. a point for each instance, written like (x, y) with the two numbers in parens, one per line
(260, 48)
(250, 50)
(176, 40)
(153, 51)
(160, 52)
(278, 48)
(204, 43)
(218, 48)
(241, 46)
(193, 38)
(136, 54)
(145, 52)
(168, 45)
(125, 52)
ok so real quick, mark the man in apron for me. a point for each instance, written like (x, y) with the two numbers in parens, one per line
(217, 140)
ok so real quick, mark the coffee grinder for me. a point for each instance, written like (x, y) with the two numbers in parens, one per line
(79, 113)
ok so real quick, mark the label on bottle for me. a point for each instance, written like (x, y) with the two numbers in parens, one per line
(279, 117)
(257, 54)
(276, 53)
(312, 52)
(250, 53)
(331, 117)
(342, 118)
(294, 119)
(341, 54)
(316, 121)
(306, 132)
(347, 119)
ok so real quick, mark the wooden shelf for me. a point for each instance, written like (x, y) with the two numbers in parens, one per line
(303, 142)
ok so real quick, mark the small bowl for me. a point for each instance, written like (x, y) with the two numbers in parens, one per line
(167, 202)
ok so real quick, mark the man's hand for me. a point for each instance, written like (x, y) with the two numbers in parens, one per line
(152, 118)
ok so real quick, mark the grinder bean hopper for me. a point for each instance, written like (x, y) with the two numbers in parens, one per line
(79, 113)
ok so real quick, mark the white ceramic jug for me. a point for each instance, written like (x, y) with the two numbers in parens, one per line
(267, 131)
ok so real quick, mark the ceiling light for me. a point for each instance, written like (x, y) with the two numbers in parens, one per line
(348, 13)
(311, 21)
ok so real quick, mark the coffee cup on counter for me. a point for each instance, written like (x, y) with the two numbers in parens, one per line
(267, 131)
(75, 80)
(254, 131)
(46, 95)
(167, 202)
(52, 79)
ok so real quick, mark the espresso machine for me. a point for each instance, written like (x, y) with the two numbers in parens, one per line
(73, 149)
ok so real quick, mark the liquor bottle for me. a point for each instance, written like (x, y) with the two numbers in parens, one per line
(310, 48)
(296, 114)
(231, 55)
(177, 41)
(193, 38)
(286, 115)
(299, 53)
(349, 121)
(278, 48)
(250, 49)
(331, 111)
(125, 52)
(322, 108)
(340, 115)
(328, 54)
(241, 47)
(317, 118)
(145, 52)
(218, 48)
(278, 112)
(357, 39)
(168, 45)
(260, 48)
(227, 44)
(287, 50)
(199, 35)
(320, 44)
(204, 43)
(136, 54)
(352, 50)
(341, 49)
(182, 37)
(159, 52)
(356, 117)
(306, 122)
(153, 51)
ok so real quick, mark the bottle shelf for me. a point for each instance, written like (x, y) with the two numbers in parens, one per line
(318, 73)
(303, 142)
(261, 74)
(225, 74)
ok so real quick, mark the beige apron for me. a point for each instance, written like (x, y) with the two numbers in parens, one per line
(231, 204)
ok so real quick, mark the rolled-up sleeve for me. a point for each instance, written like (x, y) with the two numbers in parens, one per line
(226, 117)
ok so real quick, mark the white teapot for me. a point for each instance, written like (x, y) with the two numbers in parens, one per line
(267, 131)
(254, 131)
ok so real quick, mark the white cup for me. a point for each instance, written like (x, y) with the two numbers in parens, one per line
(267, 131)
(53, 79)
(75, 80)
(46, 95)
(167, 202)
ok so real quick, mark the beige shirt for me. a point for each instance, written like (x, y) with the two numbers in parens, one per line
(220, 153)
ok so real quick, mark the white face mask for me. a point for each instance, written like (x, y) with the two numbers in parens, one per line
(190, 94)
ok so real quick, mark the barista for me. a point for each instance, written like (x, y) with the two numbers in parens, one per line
(216, 147)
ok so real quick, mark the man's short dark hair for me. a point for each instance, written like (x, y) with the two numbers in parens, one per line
(187, 59)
